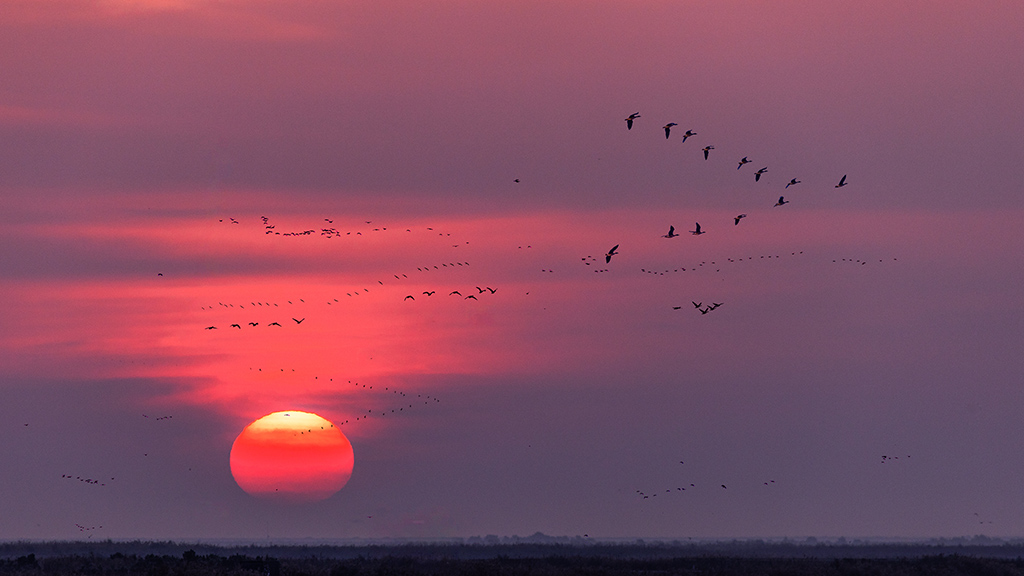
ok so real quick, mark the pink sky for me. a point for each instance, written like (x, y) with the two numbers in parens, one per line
(883, 318)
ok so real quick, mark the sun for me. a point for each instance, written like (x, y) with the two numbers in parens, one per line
(291, 456)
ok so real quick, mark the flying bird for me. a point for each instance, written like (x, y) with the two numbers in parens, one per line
(612, 252)
(696, 304)
(737, 219)
(743, 161)
(274, 324)
(782, 200)
(430, 293)
(409, 297)
(842, 182)
(211, 327)
(688, 134)
(668, 128)
(792, 182)
(697, 231)
(629, 121)
(671, 232)
(454, 292)
(254, 323)
(757, 175)
(708, 149)
(236, 326)
(297, 321)
(471, 296)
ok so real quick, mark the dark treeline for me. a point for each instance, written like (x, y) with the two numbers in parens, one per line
(192, 563)
(634, 550)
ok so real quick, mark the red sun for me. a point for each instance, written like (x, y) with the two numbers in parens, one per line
(291, 457)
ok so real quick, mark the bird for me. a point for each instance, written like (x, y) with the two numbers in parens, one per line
(236, 326)
(671, 232)
(409, 297)
(757, 175)
(516, 180)
(743, 161)
(688, 134)
(737, 219)
(274, 324)
(471, 296)
(297, 321)
(782, 200)
(715, 305)
(454, 292)
(668, 128)
(698, 231)
(491, 290)
(676, 307)
(842, 182)
(708, 149)
(211, 327)
(629, 121)
(430, 292)
(696, 304)
(254, 323)
(792, 182)
(612, 252)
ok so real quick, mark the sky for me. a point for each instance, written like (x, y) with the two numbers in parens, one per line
(171, 165)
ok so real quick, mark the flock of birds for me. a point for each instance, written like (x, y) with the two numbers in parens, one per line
(697, 231)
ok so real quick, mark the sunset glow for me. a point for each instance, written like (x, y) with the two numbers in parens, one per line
(396, 216)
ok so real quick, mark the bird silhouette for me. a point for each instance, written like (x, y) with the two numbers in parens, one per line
(629, 120)
(274, 324)
(430, 292)
(671, 232)
(409, 297)
(697, 231)
(454, 292)
(668, 128)
(792, 182)
(757, 175)
(471, 296)
(696, 304)
(688, 134)
(211, 327)
(708, 149)
(236, 326)
(743, 161)
(842, 182)
(612, 252)
(297, 321)
(782, 200)
(254, 323)
(737, 219)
